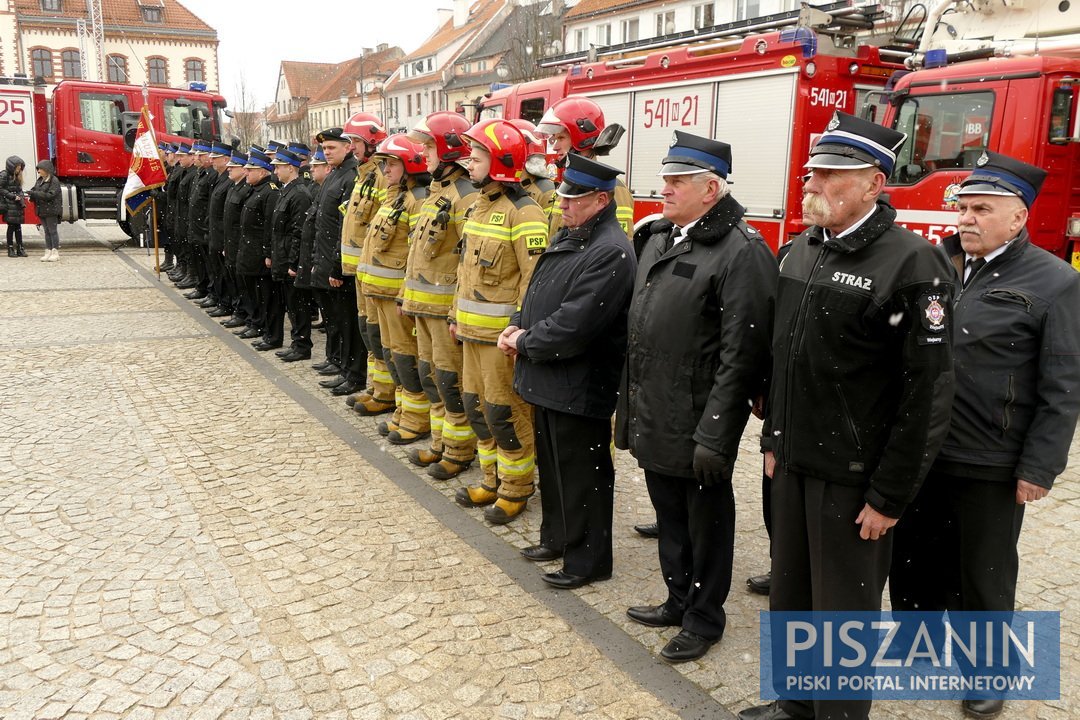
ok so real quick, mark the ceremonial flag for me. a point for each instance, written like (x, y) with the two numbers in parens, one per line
(147, 172)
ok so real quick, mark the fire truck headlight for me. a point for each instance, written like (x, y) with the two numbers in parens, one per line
(810, 68)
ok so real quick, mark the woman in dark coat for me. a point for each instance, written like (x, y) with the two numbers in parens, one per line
(12, 201)
(46, 197)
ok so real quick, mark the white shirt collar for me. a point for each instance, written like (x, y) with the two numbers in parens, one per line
(990, 255)
(826, 235)
(683, 231)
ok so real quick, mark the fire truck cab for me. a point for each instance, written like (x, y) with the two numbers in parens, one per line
(86, 129)
(997, 77)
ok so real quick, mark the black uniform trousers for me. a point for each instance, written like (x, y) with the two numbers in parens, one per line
(273, 298)
(234, 292)
(198, 259)
(696, 546)
(955, 547)
(252, 300)
(215, 268)
(577, 489)
(820, 563)
(298, 305)
(325, 299)
(352, 351)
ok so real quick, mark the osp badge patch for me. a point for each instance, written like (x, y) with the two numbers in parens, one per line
(933, 317)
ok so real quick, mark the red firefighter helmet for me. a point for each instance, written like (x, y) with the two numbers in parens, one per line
(365, 126)
(579, 116)
(536, 146)
(410, 153)
(445, 129)
(507, 146)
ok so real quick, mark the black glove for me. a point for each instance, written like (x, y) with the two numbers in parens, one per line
(710, 467)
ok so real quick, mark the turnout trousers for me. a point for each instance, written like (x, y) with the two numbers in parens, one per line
(501, 420)
(820, 563)
(381, 381)
(398, 332)
(577, 489)
(440, 364)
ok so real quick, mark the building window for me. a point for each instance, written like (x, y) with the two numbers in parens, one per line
(482, 65)
(157, 70)
(152, 14)
(603, 34)
(408, 105)
(579, 40)
(630, 30)
(52, 6)
(665, 22)
(116, 65)
(42, 61)
(746, 9)
(430, 67)
(703, 16)
(418, 110)
(194, 70)
(71, 64)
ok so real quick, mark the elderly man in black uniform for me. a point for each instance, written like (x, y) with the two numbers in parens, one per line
(1017, 399)
(288, 226)
(861, 388)
(343, 327)
(220, 154)
(198, 209)
(253, 254)
(184, 178)
(698, 357)
(235, 196)
(569, 339)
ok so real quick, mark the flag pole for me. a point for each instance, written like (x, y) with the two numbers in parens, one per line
(153, 219)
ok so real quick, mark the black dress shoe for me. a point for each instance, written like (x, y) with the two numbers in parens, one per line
(539, 553)
(219, 312)
(321, 365)
(283, 352)
(652, 530)
(686, 646)
(186, 284)
(250, 334)
(264, 346)
(332, 382)
(195, 294)
(772, 711)
(565, 581)
(294, 355)
(347, 388)
(654, 616)
(208, 301)
(330, 369)
(233, 322)
(760, 584)
(983, 708)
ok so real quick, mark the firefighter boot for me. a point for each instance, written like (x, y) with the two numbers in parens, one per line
(401, 436)
(423, 457)
(475, 496)
(385, 427)
(446, 469)
(371, 406)
(503, 511)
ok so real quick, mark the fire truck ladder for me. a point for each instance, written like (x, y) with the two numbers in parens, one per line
(838, 18)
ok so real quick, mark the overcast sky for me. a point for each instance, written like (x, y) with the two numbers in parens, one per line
(256, 36)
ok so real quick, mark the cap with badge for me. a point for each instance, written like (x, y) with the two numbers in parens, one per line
(851, 143)
(299, 148)
(220, 149)
(258, 161)
(692, 154)
(318, 158)
(997, 174)
(183, 149)
(237, 159)
(273, 146)
(200, 147)
(584, 176)
(284, 157)
(332, 135)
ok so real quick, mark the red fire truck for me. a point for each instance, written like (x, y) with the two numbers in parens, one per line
(86, 129)
(997, 77)
(763, 93)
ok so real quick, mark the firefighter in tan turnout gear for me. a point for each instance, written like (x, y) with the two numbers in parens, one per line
(386, 250)
(366, 132)
(576, 124)
(430, 284)
(505, 233)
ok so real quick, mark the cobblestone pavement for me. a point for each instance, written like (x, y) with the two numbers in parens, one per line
(192, 529)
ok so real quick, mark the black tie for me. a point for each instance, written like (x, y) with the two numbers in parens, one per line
(675, 232)
(973, 267)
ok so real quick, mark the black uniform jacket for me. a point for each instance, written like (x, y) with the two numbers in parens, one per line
(234, 204)
(1016, 350)
(335, 192)
(171, 185)
(255, 230)
(183, 198)
(219, 191)
(698, 352)
(199, 206)
(288, 225)
(862, 376)
(306, 250)
(574, 316)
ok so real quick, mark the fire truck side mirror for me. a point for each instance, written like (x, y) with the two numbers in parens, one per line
(129, 124)
(205, 129)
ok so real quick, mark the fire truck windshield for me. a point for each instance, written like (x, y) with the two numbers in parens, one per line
(182, 116)
(944, 132)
